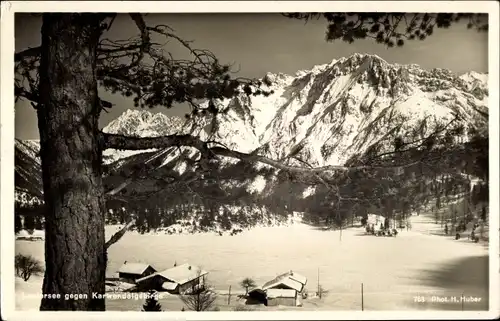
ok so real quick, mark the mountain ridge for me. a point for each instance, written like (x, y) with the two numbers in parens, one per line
(359, 82)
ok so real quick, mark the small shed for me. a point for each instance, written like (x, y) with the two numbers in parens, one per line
(130, 272)
(177, 280)
(285, 297)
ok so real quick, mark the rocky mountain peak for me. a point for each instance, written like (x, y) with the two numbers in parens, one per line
(144, 123)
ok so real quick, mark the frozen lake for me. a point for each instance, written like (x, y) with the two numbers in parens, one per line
(393, 270)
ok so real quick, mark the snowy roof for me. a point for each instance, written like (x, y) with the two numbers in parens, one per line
(180, 274)
(287, 280)
(298, 277)
(256, 290)
(169, 285)
(23, 233)
(134, 268)
(183, 273)
(297, 286)
(280, 293)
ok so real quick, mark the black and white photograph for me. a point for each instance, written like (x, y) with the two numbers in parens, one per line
(291, 160)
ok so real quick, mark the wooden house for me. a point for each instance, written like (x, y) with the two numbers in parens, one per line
(285, 289)
(180, 279)
(130, 272)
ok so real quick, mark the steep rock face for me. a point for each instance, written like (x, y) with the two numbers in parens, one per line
(28, 179)
(143, 123)
(325, 115)
(337, 110)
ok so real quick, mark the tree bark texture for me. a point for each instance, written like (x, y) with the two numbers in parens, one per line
(68, 114)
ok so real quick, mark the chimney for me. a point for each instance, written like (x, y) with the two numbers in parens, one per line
(124, 262)
(175, 263)
(189, 267)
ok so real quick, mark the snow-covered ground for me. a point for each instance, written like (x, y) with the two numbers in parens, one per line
(393, 270)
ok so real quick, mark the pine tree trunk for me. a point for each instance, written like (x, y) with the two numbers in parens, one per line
(71, 162)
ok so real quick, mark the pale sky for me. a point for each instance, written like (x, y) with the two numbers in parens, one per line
(260, 43)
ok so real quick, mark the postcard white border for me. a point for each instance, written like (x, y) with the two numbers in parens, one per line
(7, 146)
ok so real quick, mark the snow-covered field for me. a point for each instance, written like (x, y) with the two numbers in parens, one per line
(394, 271)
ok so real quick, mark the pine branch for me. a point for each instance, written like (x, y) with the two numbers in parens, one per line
(386, 27)
(142, 70)
(122, 142)
(113, 194)
(120, 187)
(140, 143)
(412, 143)
(118, 235)
(28, 53)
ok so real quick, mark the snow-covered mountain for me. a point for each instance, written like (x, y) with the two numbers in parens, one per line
(332, 112)
(325, 115)
(337, 110)
(140, 123)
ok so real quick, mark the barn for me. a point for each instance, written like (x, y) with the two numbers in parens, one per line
(130, 272)
(285, 289)
(180, 279)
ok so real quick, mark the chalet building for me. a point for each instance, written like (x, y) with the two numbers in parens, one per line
(130, 272)
(285, 289)
(180, 279)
